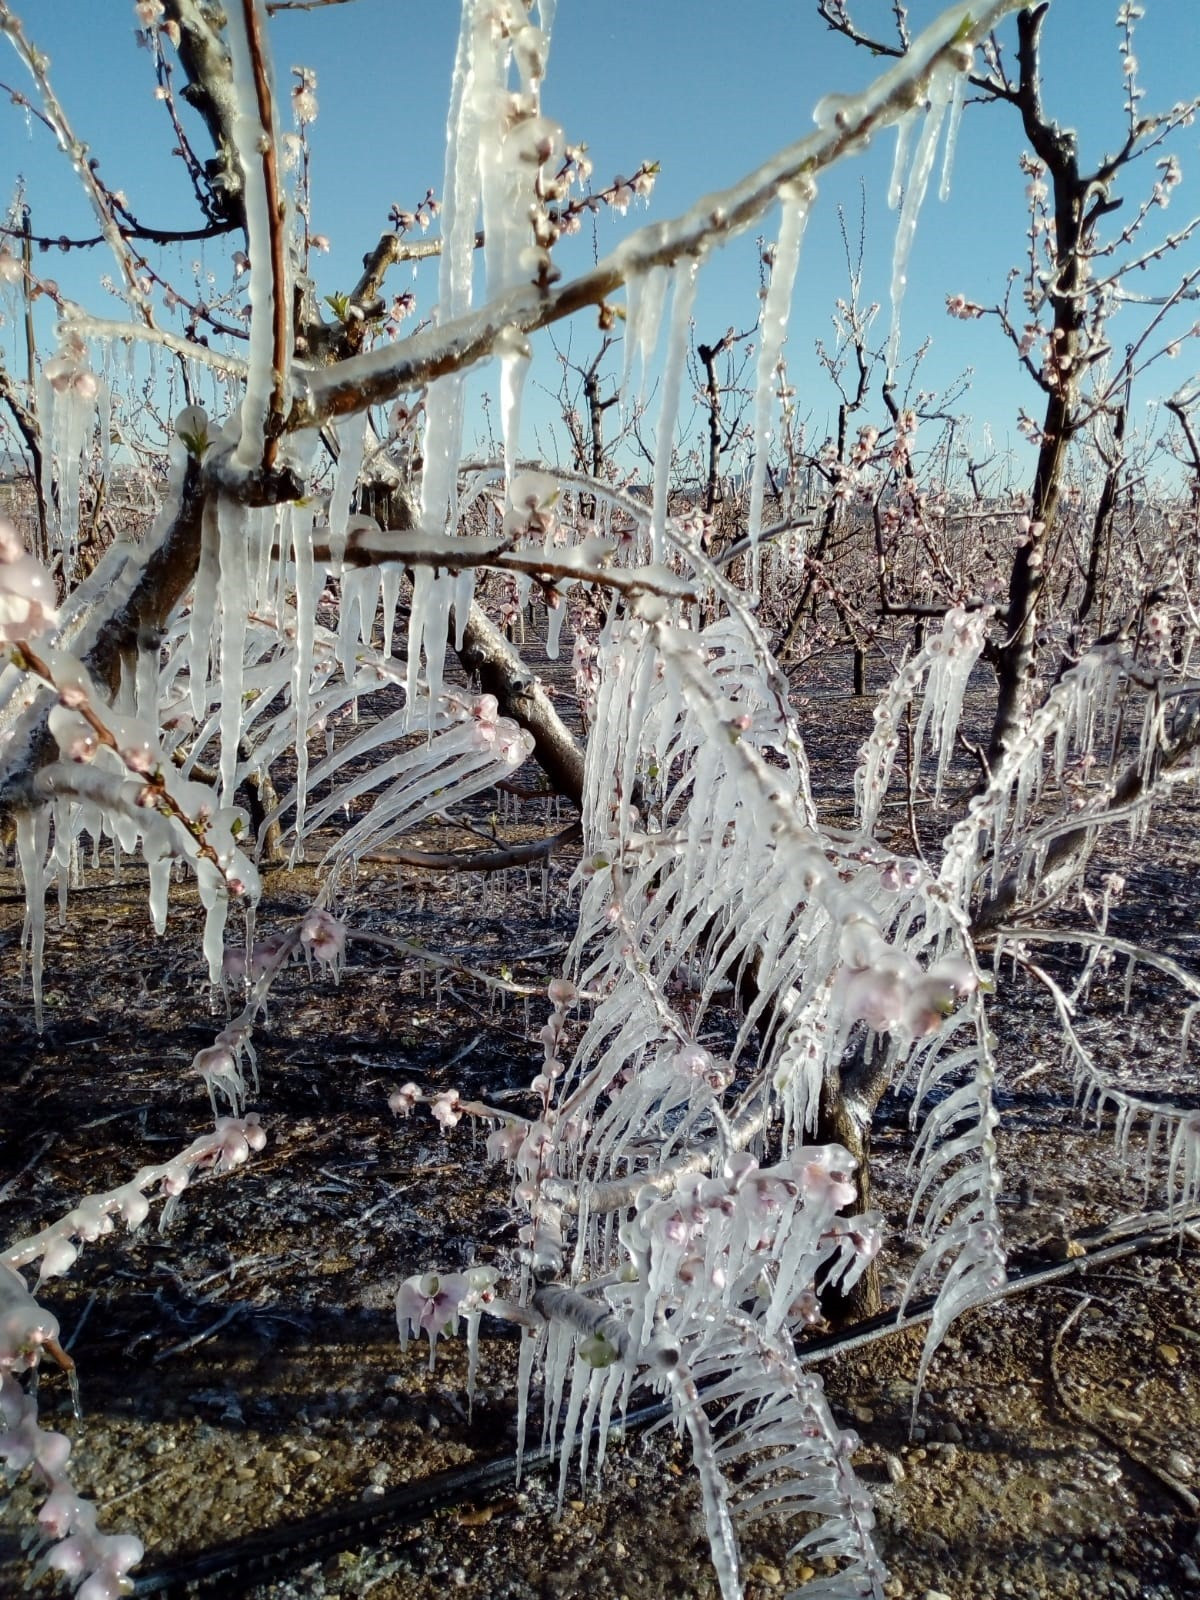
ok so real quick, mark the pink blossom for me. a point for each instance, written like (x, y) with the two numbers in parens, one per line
(402, 1100)
(323, 936)
(446, 1109)
(26, 591)
(562, 992)
(429, 1302)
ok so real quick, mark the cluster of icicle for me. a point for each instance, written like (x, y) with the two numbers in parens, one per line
(67, 1539)
(704, 876)
(114, 776)
(1001, 842)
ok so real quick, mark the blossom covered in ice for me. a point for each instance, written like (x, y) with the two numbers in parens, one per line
(26, 590)
(430, 1301)
(323, 938)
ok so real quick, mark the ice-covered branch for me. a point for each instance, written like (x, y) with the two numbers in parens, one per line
(845, 123)
(257, 144)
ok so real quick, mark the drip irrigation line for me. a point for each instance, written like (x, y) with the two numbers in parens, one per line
(260, 1557)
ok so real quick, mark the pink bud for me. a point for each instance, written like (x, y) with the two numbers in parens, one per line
(59, 1258)
(561, 991)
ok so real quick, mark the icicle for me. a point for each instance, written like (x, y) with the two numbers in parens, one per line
(233, 524)
(941, 85)
(581, 1376)
(74, 419)
(462, 593)
(266, 536)
(645, 296)
(684, 294)
(62, 855)
(957, 100)
(160, 888)
(389, 588)
(444, 405)
(351, 445)
(33, 828)
(795, 202)
(904, 132)
(45, 402)
(514, 351)
(525, 1361)
(215, 900)
(306, 612)
(505, 222)
(204, 610)
(145, 691)
(104, 413)
(555, 617)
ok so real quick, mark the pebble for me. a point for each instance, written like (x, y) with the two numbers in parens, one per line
(1168, 1354)
(895, 1468)
(766, 1573)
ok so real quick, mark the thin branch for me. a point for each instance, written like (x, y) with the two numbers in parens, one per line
(513, 855)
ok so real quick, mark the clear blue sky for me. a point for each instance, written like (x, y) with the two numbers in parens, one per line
(706, 89)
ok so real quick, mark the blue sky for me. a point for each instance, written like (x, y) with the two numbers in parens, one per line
(706, 89)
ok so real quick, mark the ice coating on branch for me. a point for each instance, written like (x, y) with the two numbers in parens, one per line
(941, 85)
(683, 280)
(252, 138)
(795, 203)
(71, 1543)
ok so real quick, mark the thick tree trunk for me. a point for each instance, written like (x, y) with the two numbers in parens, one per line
(849, 1098)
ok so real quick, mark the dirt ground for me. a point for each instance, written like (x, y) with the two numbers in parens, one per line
(242, 1373)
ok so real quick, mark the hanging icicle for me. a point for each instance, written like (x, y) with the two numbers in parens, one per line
(941, 86)
(795, 202)
(683, 295)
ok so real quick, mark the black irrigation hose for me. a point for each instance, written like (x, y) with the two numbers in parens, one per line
(260, 1557)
